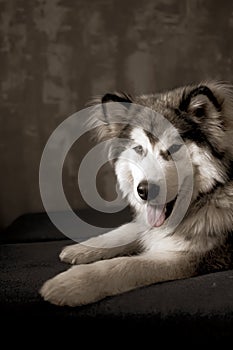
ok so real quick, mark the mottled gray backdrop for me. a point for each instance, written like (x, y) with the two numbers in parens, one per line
(57, 54)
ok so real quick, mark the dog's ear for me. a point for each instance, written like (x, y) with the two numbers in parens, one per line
(111, 110)
(200, 102)
(204, 105)
(115, 104)
(121, 97)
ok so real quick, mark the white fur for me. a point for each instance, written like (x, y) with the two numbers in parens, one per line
(139, 137)
(210, 170)
(131, 167)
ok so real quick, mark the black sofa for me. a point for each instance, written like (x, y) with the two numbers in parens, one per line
(197, 310)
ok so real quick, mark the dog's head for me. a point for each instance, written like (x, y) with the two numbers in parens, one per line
(159, 141)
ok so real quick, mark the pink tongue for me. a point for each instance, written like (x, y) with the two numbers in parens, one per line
(155, 215)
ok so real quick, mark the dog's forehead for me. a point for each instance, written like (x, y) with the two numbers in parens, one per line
(155, 122)
(139, 136)
(149, 140)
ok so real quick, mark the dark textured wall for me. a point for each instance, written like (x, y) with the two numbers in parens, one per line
(56, 54)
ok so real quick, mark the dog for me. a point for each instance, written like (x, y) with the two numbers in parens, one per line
(173, 160)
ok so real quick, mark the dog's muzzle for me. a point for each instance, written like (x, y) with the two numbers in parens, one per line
(157, 212)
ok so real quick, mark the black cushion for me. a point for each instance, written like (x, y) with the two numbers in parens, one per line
(197, 309)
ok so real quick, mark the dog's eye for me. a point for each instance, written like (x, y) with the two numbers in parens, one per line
(138, 149)
(174, 148)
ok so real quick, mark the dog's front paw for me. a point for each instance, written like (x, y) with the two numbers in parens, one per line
(79, 254)
(72, 288)
(72, 254)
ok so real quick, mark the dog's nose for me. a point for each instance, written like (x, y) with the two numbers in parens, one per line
(148, 191)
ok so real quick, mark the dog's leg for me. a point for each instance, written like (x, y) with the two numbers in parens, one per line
(85, 284)
(121, 241)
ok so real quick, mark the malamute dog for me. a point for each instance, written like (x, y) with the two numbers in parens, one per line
(172, 156)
